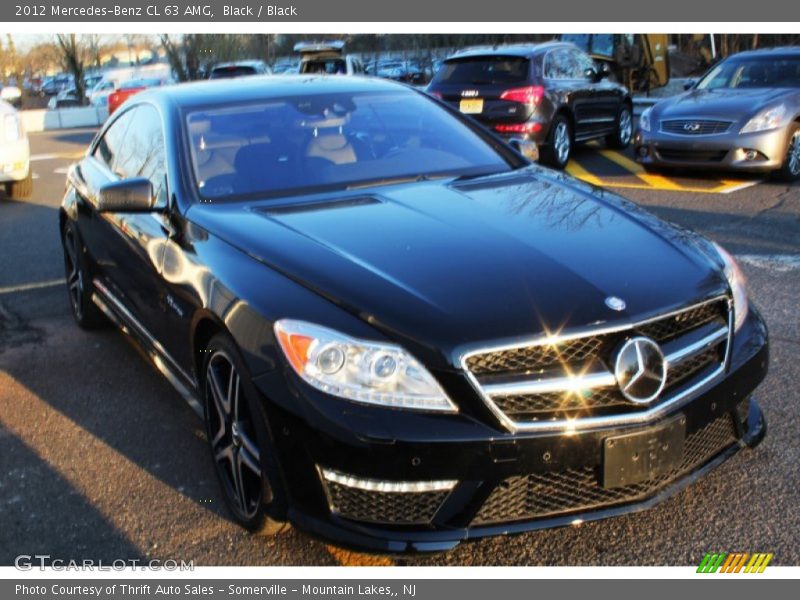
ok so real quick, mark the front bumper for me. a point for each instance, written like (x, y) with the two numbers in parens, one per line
(754, 152)
(14, 160)
(495, 470)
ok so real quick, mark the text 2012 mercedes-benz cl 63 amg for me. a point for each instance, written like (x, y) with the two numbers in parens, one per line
(402, 334)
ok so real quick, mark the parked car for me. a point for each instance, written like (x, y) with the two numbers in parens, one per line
(55, 84)
(402, 333)
(743, 114)
(98, 96)
(11, 94)
(128, 89)
(400, 70)
(552, 94)
(285, 66)
(15, 155)
(327, 58)
(240, 68)
(66, 98)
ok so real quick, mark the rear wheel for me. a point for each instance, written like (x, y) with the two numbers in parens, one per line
(558, 149)
(85, 312)
(623, 131)
(246, 467)
(21, 190)
(790, 171)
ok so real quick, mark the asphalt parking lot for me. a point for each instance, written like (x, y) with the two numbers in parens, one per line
(101, 459)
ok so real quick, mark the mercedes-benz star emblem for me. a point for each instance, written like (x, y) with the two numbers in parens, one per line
(641, 370)
(615, 303)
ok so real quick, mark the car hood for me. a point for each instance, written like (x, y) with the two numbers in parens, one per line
(451, 266)
(727, 104)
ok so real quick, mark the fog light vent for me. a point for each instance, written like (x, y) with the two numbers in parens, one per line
(381, 501)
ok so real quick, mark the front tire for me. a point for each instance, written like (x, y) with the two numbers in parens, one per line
(85, 312)
(790, 170)
(557, 151)
(238, 438)
(21, 190)
(623, 130)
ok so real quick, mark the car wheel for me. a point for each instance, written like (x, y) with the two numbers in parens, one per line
(21, 190)
(558, 149)
(85, 312)
(790, 171)
(240, 446)
(623, 131)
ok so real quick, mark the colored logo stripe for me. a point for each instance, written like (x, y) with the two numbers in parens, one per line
(734, 562)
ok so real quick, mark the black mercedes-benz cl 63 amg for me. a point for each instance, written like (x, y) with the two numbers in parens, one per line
(401, 333)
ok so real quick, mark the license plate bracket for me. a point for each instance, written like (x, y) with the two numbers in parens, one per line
(634, 457)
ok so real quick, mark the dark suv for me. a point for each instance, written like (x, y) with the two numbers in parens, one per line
(552, 94)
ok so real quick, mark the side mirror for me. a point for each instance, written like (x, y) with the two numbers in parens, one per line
(605, 70)
(527, 148)
(592, 74)
(689, 84)
(127, 195)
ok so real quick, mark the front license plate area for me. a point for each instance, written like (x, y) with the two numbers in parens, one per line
(645, 454)
(471, 107)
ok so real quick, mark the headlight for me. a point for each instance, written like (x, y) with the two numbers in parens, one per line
(738, 283)
(769, 118)
(359, 370)
(12, 128)
(644, 119)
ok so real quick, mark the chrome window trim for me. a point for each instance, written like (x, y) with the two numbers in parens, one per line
(570, 426)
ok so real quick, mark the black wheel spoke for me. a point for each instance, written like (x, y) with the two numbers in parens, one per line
(231, 435)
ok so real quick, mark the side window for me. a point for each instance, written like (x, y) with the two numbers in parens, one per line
(582, 62)
(111, 143)
(560, 64)
(143, 153)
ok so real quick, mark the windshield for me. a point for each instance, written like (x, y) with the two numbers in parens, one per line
(331, 141)
(756, 72)
(231, 72)
(329, 66)
(486, 70)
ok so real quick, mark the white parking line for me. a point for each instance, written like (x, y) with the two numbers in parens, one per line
(37, 157)
(742, 186)
(772, 262)
(24, 287)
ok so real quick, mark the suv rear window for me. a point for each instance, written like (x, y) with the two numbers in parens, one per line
(487, 70)
(234, 71)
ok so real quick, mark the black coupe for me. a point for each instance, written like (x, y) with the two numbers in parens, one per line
(402, 334)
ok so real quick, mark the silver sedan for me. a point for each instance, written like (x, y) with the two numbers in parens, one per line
(744, 114)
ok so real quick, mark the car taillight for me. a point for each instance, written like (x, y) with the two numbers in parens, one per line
(531, 94)
(529, 127)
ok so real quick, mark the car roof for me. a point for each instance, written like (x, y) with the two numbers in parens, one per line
(263, 87)
(521, 50)
(771, 52)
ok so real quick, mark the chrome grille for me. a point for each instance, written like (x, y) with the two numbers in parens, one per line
(549, 494)
(535, 386)
(695, 127)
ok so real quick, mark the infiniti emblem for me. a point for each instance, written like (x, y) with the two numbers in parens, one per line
(615, 303)
(691, 127)
(640, 370)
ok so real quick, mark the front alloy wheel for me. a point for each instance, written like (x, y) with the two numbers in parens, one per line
(623, 132)
(234, 437)
(790, 171)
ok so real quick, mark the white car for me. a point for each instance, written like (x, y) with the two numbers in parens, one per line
(15, 154)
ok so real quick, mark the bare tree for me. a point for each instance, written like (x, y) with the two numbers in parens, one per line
(74, 54)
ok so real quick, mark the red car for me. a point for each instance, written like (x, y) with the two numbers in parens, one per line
(128, 89)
